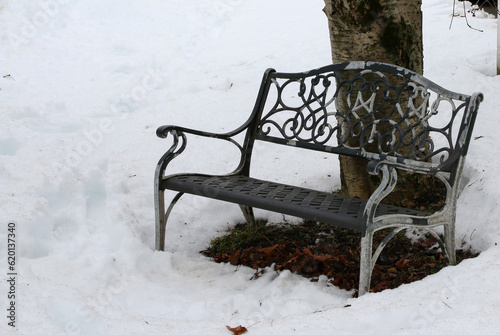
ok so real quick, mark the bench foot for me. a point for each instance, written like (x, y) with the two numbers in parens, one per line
(248, 213)
(449, 241)
(366, 264)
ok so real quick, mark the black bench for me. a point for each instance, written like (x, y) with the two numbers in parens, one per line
(377, 111)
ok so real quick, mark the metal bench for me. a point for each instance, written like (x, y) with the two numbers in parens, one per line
(381, 112)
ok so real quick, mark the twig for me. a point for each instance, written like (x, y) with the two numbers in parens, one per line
(253, 324)
(471, 234)
(465, 15)
(271, 243)
(452, 14)
(467, 21)
(446, 304)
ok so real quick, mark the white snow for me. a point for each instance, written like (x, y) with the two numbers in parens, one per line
(83, 87)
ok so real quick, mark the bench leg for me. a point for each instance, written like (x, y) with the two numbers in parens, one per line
(366, 264)
(160, 222)
(248, 213)
(161, 217)
(449, 241)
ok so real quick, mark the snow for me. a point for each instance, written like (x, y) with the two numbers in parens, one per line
(85, 84)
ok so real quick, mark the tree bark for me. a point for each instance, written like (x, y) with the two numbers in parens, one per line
(388, 31)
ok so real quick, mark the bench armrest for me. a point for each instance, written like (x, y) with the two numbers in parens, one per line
(163, 132)
(180, 140)
(374, 166)
(388, 181)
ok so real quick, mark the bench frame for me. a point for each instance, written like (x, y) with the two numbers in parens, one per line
(358, 85)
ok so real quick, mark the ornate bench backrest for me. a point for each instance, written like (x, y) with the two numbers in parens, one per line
(373, 110)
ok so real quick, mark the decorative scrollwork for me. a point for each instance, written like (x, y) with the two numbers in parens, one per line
(370, 111)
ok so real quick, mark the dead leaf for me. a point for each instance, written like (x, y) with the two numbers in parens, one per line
(308, 252)
(268, 250)
(403, 263)
(238, 330)
(322, 258)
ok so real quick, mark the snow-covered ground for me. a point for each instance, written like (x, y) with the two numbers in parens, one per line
(83, 87)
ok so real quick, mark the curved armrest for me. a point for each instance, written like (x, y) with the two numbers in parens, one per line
(163, 132)
(374, 166)
(179, 135)
(388, 168)
(177, 131)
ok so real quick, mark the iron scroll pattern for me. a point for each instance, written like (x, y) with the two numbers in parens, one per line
(364, 112)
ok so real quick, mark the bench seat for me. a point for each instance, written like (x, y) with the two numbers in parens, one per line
(309, 204)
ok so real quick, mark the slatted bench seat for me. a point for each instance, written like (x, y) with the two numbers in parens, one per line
(309, 204)
(380, 112)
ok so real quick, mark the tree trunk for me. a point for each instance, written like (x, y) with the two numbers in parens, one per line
(388, 31)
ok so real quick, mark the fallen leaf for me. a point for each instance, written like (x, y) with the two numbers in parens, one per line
(268, 250)
(308, 252)
(322, 257)
(403, 263)
(238, 330)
